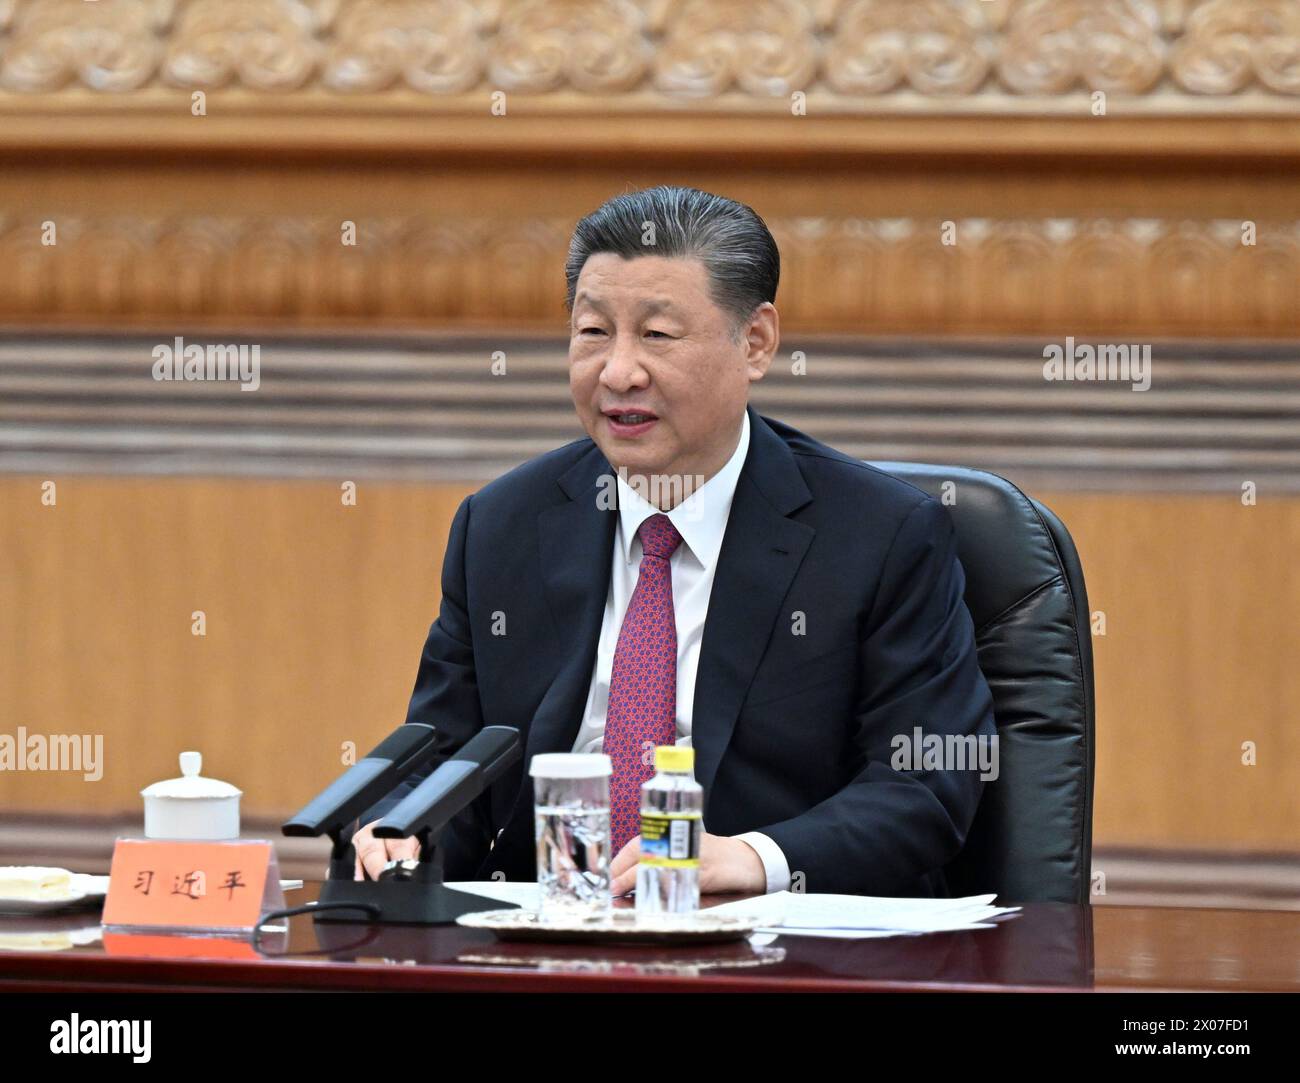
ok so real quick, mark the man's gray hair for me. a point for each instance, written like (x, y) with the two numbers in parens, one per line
(733, 242)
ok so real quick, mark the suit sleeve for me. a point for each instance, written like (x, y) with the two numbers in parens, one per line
(446, 687)
(894, 822)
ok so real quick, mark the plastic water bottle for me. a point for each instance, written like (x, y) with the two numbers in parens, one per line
(672, 804)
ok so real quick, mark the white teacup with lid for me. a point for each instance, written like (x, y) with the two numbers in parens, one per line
(191, 807)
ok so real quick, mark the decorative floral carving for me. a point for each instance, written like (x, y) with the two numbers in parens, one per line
(112, 45)
(845, 274)
(264, 44)
(1229, 44)
(710, 46)
(934, 46)
(1000, 52)
(429, 45)
(592, 45)
(1053, 46)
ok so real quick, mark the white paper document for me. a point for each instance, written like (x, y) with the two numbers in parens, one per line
(859, 917)
(518, 892)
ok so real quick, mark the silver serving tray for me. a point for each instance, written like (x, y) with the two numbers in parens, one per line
(616, 927)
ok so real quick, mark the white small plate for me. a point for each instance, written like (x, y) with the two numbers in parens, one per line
(86, 889)
(616, 927)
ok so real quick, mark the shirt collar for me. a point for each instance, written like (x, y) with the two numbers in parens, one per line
(701, 519)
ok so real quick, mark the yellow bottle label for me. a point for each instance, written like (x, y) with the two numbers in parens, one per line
(671, 840)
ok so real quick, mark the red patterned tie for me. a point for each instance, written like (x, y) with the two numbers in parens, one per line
(642, 711)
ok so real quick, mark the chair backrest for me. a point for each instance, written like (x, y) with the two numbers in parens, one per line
(1031, 840)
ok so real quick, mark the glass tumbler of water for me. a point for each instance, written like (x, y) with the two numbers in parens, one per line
(572, 818)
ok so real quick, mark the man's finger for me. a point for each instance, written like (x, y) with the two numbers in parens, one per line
(403, 849)
(622, 870)
(628, 856)
(623, 883)
(373, 854)
(373, 857)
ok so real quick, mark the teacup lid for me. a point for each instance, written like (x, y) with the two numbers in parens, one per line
(571, 765)
(191, 784)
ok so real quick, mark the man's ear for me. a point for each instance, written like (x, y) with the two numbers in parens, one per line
(762, 339)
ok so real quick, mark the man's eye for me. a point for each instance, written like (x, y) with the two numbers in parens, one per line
(601, 331)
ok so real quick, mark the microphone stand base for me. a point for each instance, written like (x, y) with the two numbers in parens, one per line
(401, 902)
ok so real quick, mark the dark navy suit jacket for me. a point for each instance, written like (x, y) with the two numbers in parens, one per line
(792, 732)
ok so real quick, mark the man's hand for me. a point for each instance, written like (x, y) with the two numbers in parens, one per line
(726, 865)
(373, 854)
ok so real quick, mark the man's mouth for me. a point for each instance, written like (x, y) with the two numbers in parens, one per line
(629, 422)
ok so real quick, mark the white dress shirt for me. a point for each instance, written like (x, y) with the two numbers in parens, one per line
(701, 520)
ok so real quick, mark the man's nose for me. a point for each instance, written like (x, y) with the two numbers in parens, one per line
(623, 368)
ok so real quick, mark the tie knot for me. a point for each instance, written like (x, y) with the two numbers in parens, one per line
(659, 538)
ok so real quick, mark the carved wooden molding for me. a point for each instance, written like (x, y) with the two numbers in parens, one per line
(844, 55)
(1216, 277)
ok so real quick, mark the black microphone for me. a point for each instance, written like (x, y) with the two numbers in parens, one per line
(455, 783)
(418, 896)
(406, 749)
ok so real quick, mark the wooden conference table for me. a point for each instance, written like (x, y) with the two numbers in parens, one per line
(1047, 947)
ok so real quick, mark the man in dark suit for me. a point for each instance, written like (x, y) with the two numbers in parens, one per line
(695, 573)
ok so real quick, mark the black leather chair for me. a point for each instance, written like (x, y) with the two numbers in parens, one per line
(1031, 840)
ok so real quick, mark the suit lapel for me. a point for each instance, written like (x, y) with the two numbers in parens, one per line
(761, 551)
(575, 551)
(576, 541)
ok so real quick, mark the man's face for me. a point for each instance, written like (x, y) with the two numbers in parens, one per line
(657, 380)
